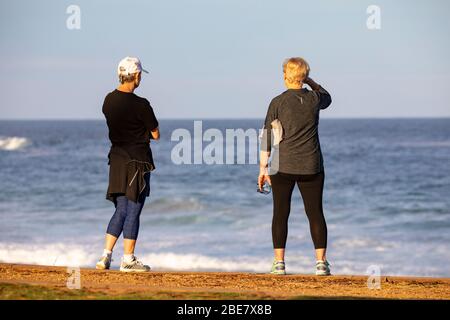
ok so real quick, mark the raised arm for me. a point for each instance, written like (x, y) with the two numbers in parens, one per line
(323, 95)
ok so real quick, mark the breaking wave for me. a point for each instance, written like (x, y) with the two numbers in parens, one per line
(13, 143)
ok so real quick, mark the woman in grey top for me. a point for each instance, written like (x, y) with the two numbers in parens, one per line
(296, 159)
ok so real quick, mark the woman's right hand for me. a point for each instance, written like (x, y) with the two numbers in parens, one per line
(310, 82)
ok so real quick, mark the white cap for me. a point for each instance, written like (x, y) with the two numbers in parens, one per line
(129, 65)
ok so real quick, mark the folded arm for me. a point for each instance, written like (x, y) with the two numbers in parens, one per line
(154, 134)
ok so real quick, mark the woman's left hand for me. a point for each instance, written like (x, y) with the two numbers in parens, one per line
(263, 177)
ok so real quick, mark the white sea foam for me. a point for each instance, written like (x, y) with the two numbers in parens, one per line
(13, 143)
(58, 254)
(198, 262)
(61, 254)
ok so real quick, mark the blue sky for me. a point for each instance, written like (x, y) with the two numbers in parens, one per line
(222, 59)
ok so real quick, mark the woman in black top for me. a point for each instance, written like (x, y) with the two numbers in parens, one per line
(296, 159)
(131, 123)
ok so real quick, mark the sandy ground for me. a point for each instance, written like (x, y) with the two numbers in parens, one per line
(96, 284)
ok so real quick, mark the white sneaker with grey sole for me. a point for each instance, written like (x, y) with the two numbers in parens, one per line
(322, 268)
(104, 263)
(134, 266)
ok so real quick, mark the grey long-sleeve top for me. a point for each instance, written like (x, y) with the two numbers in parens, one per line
(299, 151)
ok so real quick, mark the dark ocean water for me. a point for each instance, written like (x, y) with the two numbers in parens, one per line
(386, 200)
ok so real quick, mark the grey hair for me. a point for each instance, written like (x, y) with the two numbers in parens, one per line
(127, 78)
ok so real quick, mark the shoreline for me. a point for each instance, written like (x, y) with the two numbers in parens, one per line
(21, 281)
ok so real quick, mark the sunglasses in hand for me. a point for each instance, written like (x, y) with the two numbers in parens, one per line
(266, 189)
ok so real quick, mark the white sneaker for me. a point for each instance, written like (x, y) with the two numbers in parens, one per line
(278, 267)
(134, 266)
(104, 263)
(322, 268)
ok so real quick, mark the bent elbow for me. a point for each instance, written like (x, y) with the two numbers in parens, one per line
(327, 102)
(155, 134)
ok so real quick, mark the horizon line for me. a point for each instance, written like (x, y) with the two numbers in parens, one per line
(232, 118)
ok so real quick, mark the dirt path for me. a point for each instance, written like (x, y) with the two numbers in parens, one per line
(50, 282)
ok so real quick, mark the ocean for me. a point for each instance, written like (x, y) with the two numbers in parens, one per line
(386, 200)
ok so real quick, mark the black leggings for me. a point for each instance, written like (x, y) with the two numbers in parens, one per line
(311, 189)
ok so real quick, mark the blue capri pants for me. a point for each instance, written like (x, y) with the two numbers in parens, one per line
(126, 216)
